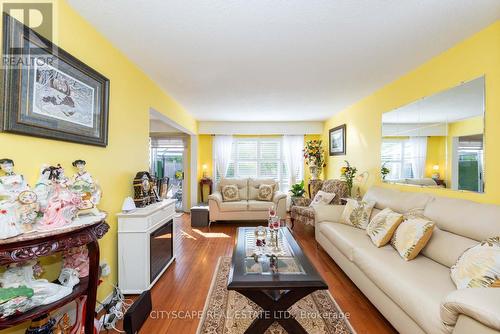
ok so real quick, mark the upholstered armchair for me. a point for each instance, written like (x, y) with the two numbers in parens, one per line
(302, 212)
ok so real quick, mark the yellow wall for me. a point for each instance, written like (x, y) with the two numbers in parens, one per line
(436, 155)
(476, 56)
(132, 93)
(205, 156)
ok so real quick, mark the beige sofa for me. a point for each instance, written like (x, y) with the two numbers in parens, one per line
(248, 208)
(418, 296)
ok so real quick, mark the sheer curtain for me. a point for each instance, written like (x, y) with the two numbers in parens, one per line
(292, 154)
(418, 156)
(222, 147)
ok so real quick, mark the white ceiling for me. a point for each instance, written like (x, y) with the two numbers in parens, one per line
(259, 60)
(458, 103)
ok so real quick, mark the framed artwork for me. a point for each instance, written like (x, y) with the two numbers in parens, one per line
(337, 140)
(50, 93)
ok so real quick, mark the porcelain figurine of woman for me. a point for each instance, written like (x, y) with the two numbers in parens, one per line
(61, 208)
(43, 187)
(88, 189)
(11, 183)
(8, 220)
(27, 209)
(17, 275)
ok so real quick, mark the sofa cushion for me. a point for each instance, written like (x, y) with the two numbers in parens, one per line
(338, 187)
(253, 186)
(344, 237)
(234, 206)
(479, 266)
(398, 201)
(265, 192)
(242, 185)
(383, 225)
(357, 213)
(411, 236)
(417, 286)
(466, 218)
(254, 205)
(445, 247)
(230, 193)
(322, 198)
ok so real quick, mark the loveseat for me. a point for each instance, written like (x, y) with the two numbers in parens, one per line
(248, 207)
(418, 296)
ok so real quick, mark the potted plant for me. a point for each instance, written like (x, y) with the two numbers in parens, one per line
(314, 156)
(384, 171)
(297, 189)
(348, 173)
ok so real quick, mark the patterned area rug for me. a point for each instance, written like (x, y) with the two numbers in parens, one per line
(228, 312)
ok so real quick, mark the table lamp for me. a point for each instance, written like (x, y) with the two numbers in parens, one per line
(204, 167)
(435, 175)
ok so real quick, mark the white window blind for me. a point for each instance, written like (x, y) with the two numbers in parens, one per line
(397, 156)
(258, 158)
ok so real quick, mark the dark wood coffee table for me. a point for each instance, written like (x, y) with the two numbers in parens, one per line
(273, 292)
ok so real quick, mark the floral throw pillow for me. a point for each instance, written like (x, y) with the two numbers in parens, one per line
(322, 198)
(230, 193)
(411, 236)
(382, 226)
(479, 266)
(265, 192)
(357, 213)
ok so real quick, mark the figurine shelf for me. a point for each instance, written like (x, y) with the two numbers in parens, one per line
(30, 246)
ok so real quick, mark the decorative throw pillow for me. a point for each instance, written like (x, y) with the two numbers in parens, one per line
(322, 198)
(383, 225)
(230, 193)
(411, 236)
(479, 266)
(265, 192)
(357, 213)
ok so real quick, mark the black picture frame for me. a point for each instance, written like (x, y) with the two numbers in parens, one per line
(58, 98)
(337, 140)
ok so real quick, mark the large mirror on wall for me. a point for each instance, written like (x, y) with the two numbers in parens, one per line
(437, 141)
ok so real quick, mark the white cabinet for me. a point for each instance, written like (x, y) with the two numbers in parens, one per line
(146, 245)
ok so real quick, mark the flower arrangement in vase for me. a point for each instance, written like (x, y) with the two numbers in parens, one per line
(348, 173)
(314, 155)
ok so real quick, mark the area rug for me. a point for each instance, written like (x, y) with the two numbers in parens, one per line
(228, 312)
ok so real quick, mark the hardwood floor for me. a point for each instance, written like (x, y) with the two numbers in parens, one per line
(179, 296)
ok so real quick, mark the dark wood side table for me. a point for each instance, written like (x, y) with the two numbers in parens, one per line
(37, 244)
(206, 181)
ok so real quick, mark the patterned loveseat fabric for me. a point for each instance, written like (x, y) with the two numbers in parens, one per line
(303, 213)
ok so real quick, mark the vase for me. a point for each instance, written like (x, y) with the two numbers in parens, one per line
(315, 172)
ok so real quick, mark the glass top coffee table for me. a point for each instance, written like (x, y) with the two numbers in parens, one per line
(276, 283)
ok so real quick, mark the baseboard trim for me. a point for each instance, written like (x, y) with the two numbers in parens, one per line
(100, 306)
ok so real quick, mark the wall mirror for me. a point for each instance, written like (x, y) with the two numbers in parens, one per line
(437, 141)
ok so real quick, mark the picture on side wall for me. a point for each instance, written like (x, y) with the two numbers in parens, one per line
(49, 93)
(337, 140)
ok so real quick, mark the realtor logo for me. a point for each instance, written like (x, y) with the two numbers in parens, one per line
(38, 16)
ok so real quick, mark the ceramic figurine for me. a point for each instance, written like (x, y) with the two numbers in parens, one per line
(69, 277)
(27, 209)
(11, 183)
(17, 275)
(43, 187)
(87, 188)
(61, 208)
(15, 305)
(78, 259)
(63, 326)
(8, 220)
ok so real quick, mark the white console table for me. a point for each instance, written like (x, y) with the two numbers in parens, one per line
(146, 245)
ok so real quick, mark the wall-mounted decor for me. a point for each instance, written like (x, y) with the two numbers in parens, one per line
(336, 140)
(49, 93)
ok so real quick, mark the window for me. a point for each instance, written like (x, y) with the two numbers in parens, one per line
(258, 158)
(397, 156)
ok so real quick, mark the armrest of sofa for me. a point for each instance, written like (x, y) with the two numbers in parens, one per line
(331, 213)
(215, 197)
(279, 200)
(480, 304)
(301, 201)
